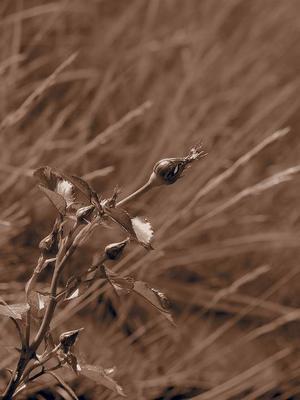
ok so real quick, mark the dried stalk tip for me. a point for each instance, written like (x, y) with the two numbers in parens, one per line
(114, 250)
(68, 339)
(169, 170)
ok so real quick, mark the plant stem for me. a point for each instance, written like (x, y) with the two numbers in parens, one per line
(142, 190)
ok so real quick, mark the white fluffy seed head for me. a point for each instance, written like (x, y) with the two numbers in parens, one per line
(65, 189)
(143, 229)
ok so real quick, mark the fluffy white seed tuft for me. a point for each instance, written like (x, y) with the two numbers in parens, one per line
(143, 229)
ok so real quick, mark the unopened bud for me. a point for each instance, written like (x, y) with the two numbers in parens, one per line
(84, 213)
(114, 250)
(68, 339)
(49, 243)
(167, 171)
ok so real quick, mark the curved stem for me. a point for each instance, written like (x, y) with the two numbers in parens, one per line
(142, 190)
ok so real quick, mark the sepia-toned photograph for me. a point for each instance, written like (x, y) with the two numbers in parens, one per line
(149, 199)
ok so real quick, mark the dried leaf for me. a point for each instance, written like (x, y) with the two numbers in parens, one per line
(154, 297)
(73, 363)
(82, 186)
(14, 311)
(142, 228)
(56, 199)
(101, 377)
(120, 284)
(47, 177)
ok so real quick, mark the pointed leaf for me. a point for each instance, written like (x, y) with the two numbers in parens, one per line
(56, 199)
(15, 311)
(47, 177)
(82, 186)
(101, 377)
(119, 284)
(154, 297)
(67, 388)
(122, 218)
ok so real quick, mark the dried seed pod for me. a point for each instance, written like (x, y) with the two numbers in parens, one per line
(49, 243)
(114, 250)
(169, 170)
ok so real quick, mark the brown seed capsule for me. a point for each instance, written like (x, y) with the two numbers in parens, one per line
(114, 250)
(49, 243)
(167, 171)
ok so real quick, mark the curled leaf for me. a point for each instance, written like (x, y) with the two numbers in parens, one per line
(102, 377)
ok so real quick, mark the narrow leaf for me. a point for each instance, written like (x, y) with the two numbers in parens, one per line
(56, 199)
(119, 284)
(67, 388)
(154, 297)
(15, 311)
(101, 377)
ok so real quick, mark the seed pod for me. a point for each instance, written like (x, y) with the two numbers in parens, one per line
(49, 244)
(114, 250)
(167, 171)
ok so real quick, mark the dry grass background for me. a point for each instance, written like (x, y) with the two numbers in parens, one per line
(150, 79)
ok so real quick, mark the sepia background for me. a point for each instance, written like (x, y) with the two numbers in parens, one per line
(104, 89)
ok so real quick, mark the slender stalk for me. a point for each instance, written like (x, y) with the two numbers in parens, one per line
(133, 196)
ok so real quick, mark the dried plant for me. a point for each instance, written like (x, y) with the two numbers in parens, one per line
(80, 210)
